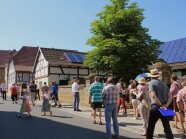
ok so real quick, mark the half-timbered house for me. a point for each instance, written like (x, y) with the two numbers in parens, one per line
(5, 56)
(60, 65)
(20, 65)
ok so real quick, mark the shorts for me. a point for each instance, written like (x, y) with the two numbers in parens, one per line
(96, 105)
(134, 101)
(175, 106)
(33, 95)
(55, 95)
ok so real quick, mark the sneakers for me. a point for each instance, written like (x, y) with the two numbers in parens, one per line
(79, 110)
(29, 116)
(100, 123)
(59, 106)
(18, 116)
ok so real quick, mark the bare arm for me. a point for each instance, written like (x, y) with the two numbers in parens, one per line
(153, 95)
(169, 100)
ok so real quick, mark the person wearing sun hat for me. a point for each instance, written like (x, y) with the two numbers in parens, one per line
(144, 103)
(160, 97)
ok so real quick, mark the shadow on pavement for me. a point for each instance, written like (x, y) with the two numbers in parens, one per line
(39, 128)
(61, 116)
(131, 124)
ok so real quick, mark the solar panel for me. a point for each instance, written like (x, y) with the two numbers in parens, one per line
(79, 57)
(173, 51)
(170, 52)
(75, 57)
(71, 57)
(177, 52)
(183, 57)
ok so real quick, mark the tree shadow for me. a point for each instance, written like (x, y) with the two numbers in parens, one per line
(38, 128)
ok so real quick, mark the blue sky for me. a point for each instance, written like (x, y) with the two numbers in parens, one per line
(65, 24)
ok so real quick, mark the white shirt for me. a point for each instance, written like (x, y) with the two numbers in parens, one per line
(3, 87)
(75, 87)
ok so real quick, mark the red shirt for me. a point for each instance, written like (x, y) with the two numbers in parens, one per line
(13, 90)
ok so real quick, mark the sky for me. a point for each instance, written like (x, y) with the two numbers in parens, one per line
(65, 24)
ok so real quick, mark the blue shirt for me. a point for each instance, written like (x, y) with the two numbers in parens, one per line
(54, 89)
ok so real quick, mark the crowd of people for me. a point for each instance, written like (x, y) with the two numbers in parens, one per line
(146, 96)
(30, 92)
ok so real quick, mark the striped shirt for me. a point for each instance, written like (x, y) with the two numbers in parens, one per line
(96, 92)
(110, 94)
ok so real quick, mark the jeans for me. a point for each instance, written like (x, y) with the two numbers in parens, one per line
(154, 116)
(76, 101)
(111, 111)
(3, 95)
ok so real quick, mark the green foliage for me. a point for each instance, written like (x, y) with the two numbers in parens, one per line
(122, 46)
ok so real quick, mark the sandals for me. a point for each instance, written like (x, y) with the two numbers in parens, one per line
(94, 122)
(100, 123)
(181, 130)
(175, 126)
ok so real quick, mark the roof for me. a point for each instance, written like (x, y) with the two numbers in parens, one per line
(57, 56)
(5, 56)
(25, 58)
(173, 51)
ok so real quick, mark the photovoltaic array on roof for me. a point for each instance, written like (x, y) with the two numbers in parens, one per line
(75, 57)
(173, 51)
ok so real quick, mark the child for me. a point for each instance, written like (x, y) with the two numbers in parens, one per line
(25, 106)
(46, 98)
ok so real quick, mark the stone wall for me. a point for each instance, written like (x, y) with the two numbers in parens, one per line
(66, 95)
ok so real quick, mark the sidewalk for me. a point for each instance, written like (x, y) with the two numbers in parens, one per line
(127, 123)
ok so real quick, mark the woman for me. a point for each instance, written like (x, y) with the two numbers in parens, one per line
(133, 94)
(175, 87)
(144, 103)
(25, 106)
(46, 98)
(181, 103)
(122, 97)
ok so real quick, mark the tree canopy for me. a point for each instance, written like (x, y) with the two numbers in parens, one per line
(122, 46)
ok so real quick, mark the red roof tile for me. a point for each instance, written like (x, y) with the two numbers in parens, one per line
(5, 56)
(25, 58)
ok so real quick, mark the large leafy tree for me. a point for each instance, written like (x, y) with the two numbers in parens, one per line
(122, 46)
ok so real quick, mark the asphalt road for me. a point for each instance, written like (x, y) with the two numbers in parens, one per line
(62, 125)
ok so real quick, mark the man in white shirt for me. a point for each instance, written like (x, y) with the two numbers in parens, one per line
(75, 90)
(3, 90)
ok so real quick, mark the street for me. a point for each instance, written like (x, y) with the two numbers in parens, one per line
(62, 125)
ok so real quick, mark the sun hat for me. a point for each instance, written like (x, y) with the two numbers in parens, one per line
(142, 80)
(154, 73)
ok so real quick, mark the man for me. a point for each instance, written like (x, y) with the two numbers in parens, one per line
(75, 90)
(160, 97)
(55, 93)
(110, 96)
(3, 90)
(32, 89)
(95, 98)
(13, 90)
(37, 91)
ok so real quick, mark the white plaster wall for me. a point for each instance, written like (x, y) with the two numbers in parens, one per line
(83, 71)
(11, 74)
(41, 66)
(11, 67)
(55, 70)
(56, 78)
(41, 81)
(70, 71)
